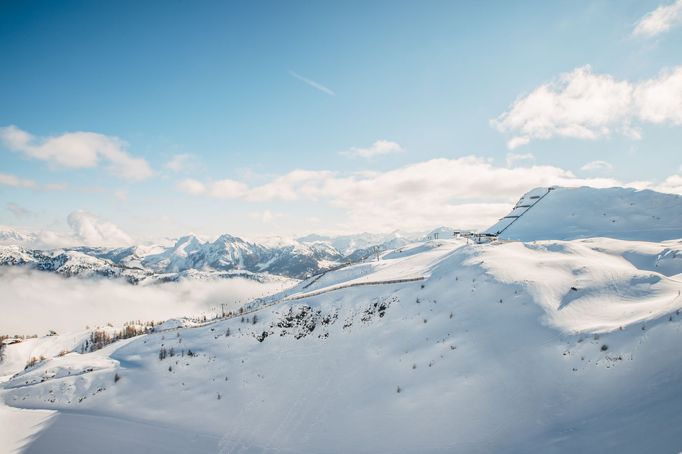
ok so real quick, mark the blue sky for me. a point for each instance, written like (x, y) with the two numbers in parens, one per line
(261, 118)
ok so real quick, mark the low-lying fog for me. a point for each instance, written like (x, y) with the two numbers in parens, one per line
(33, 302)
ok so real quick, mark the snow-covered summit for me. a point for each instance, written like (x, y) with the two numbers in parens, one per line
(571, 213)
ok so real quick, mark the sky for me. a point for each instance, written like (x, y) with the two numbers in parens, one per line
(125, 122)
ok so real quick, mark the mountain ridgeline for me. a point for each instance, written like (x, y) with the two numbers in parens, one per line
(227, 256)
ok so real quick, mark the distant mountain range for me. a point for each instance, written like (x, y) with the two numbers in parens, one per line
(227, 256)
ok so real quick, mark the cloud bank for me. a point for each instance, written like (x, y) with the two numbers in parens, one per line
(468, 192)
(50, 302)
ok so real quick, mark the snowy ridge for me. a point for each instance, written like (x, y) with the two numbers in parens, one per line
(571, 213)
(191, 256)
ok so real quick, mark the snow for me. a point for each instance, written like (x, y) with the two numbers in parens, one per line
(517, 375)
(571, 213)
(18, 427)
(563, 344)
(583, 285)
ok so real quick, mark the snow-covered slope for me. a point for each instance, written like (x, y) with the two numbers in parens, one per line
(570, 213)
(349, 244)
(568, 342)
(69, 263)
(558, 346)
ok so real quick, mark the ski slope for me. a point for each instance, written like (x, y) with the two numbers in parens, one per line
(491, 352)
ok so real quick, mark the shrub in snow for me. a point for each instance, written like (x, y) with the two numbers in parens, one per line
(116, 377)
(604, 347)
(33, 361)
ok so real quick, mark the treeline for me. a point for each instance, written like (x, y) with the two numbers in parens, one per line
(101, 338)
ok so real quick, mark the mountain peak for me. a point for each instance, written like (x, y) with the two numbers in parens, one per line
(559, 213)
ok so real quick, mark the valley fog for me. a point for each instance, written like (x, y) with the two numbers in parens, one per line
(34, 302)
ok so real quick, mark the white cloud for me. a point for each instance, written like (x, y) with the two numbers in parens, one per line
(90, 230)
(7, 179)
(316, 85)
(516, 142)
(77, 150)
(584, 105)
(597, 166)
(291, 186)
(378, 148)
(660, 100)
(659, 20)
(513, 158)
(55, 187)
(181, 163)
(221, 189)
(465, 192)
(121, 195)
(265, 216)
(14, 181)
(672, 184)
(18, 211)
(191, 186)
